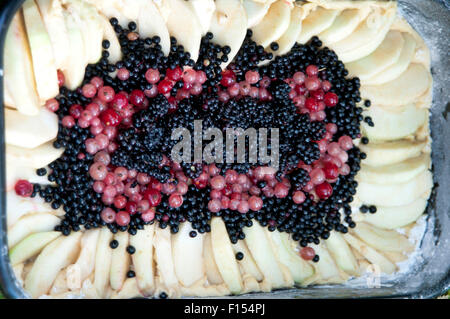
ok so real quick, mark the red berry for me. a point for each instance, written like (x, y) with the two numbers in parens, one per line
(61, 78)
(318, 95)
(324, 190)
(330, 99)
(52, 105)
(110, 117)
(311, 104)
(174, 74)
(331, 170)
(153, 196)
(137, 97)
(23, 188)
(76, 110)
(122, 218)
(199, 183)
(120, 201)
(228, 78)
(307, 253)
(148, 215)
(175, 200)
(106, 94)
(165, 86)
(131, 207)
(312, 70)
(119, 102)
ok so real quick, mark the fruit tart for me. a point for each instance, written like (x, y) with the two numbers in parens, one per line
(120, 183)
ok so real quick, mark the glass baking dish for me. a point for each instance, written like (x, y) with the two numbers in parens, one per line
(429, 276)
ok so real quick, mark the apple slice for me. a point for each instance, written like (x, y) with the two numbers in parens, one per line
(30, 131)
(366, 37)
(395, 257)
(151, 23)
(85, 264)
(115, 51)
(59, 286)
(255, 11)
(120, 261)
(274, 24)
(19, 73)
(33, 223)
(344, 24)
(299, 268)
(143, 259)
(55, 257)
(18, 206)
(88, 20)
(199, 291)
(224, 256)
(164, 260)
(326, 267)
(317, 21)
(229, 26)
(74, 72)
(129, 290)
(289, 38)
(395, 194)
(91, 18)
(405, 89)
(37, 157)
(7, 99)
(395, 173)
(119, 9)
(342, 254)
(31, 246)
(187, 255)
(381, 154)
(383, 240)
(204, 10)
(395, 70)
(212, 272)
(384, 56)
(53, 17)
(396, 217)
(247, 263)
(393, 123)
(103, 259)
(41, 52)
(373, 256)
(184, 25)
(259, 246)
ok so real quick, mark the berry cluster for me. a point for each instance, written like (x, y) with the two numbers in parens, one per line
(117, 171)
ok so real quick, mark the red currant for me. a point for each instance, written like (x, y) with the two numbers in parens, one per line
(153, 196)
(23, 188)
(165, 86)
(122, 218)
(324, 190)
(331, 99)
(137, 97)
(318, 95)
(331, 170)
(228, 78)
(307, 253)
(174, 74)
(131, 207)
(110, 117)
(76, 110)
(119, 102)
(311, 104)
